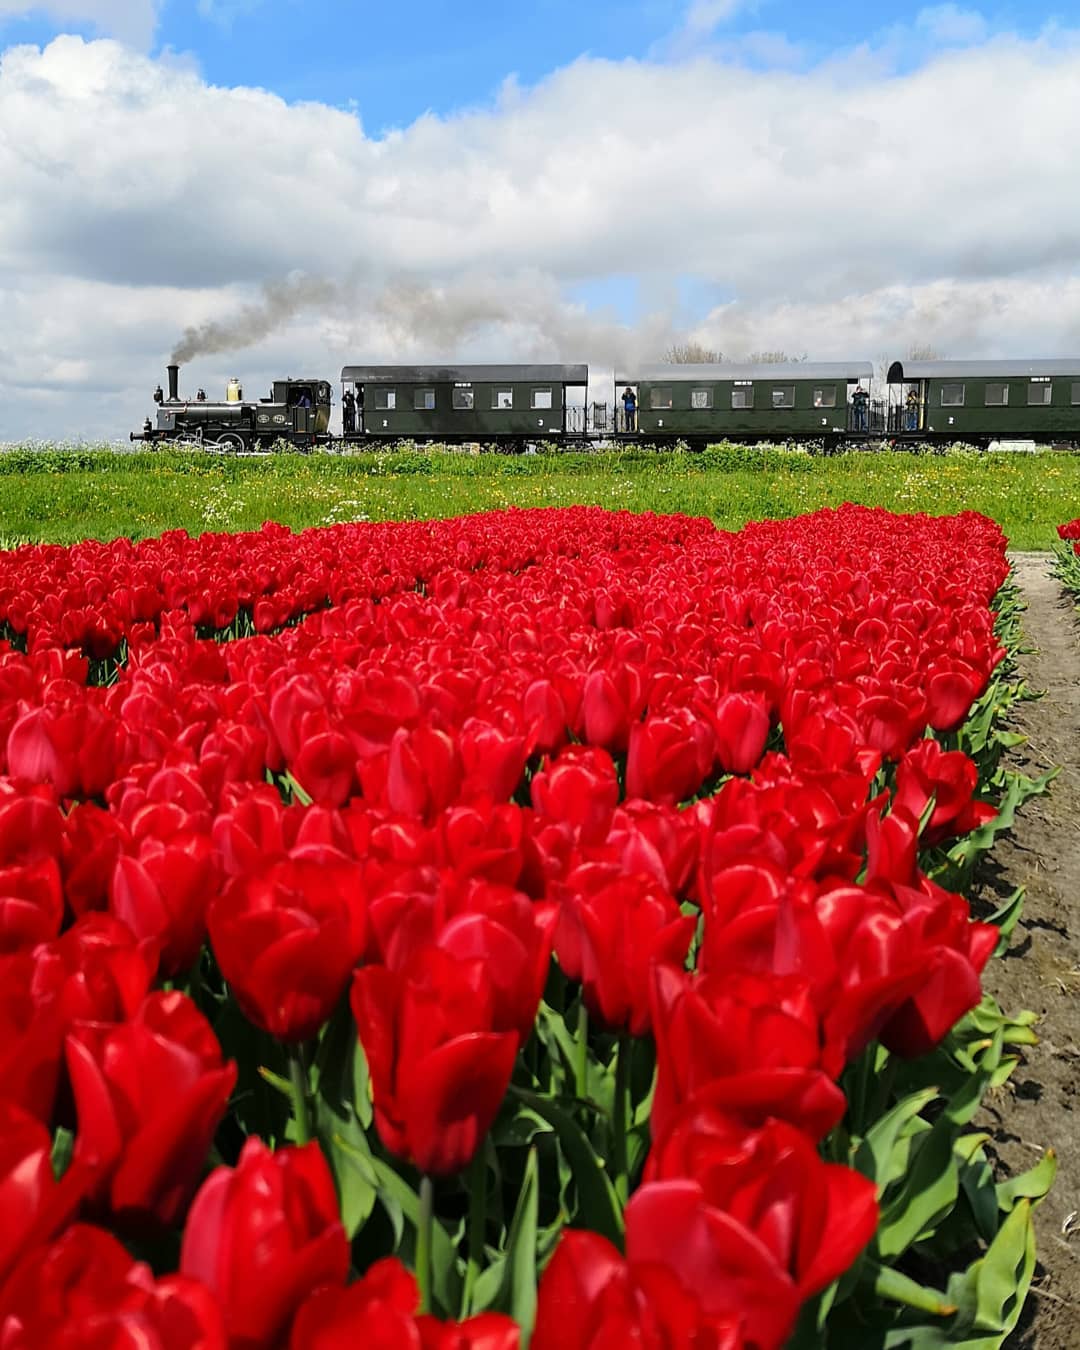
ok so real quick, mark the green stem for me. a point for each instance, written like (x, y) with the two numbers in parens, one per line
(583, 1050)
(423, 1243)
(298, 1079)
(477, 1224)
(622, 1094)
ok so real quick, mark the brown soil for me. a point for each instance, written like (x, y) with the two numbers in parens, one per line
(1040, 1108)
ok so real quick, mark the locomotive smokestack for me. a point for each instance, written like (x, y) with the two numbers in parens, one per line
(174, 383)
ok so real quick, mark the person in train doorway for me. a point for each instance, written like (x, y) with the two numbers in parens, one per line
(860, 407)
(629, 403)
(348, 412)
(912, 409)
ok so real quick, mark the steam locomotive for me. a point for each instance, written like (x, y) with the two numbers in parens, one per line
(821, 404)
(297, 411)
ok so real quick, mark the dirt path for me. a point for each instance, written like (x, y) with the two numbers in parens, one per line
(1041, 1106)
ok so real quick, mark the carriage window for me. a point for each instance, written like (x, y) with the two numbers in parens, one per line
(952, 395)
(783, 396)
(742, 396)
(660, 398)
(463, 399)
(385, 399)
(1039, 392)
(502, 399)
(701, 398)
(423, 400)
(541, 398)
(825, 398)
(997, 395)
(1075, 394)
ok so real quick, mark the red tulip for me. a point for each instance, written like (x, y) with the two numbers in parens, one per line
(814, 1217)
(613, 929)
(439, 1070)
(325, 766)
(162, 894)
(287, 937)
(656, 842)
(580, 788)
(31, 904)
(604, 712)
(382, 1305)
(892, 844)
(714, 1027)
(951, 689)
(951, 952)
(590, 1299)
(381, 1308)
(950, 779)
(34, 1206)
(84, 1292)
(150, 1094)
(485, 1331)
(95, 972)
(262, 1236)
(669, 757)
(493, 760)
(740, 724)
(92, 843)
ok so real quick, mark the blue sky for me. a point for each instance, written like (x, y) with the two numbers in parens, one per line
(395, 62)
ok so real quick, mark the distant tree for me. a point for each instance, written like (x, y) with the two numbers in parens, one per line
(923, 351)
(692, 354)
(778, 358)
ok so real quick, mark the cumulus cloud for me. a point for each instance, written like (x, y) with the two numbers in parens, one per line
(846, 209)
(1025, 315)
(131, 21)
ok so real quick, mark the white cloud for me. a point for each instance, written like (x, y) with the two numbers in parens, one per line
(951, 25)
(704, 15)
(225, 12)
(130, 21)
(848, 210)
(1029, 315)
(697, 30)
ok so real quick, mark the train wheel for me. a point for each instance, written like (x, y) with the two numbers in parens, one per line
(232, 440)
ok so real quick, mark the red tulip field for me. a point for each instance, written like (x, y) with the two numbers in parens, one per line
(542, 928)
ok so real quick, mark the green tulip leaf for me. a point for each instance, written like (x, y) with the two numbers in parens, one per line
(398, 1198)
(598, 1207)
(895, 1287)
(924, 1195)
(874, 1155)
(1030, 1185)
(510, 1285)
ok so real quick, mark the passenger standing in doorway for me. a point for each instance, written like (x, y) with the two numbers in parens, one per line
(348, 413)
(629, 403)
(860, 407)
(913, 409)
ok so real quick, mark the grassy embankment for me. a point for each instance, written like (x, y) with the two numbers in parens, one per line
(63, 495)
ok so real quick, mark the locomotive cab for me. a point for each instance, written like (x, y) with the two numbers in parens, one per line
(305, 405)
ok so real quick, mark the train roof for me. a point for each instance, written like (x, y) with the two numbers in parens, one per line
(900, 372)
(672, 373)
(523, 374)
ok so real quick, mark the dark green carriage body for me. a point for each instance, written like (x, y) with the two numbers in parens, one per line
(697, 403)
(983, 401)
(457, 404)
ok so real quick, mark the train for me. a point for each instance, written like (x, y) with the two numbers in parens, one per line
(822, 405)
